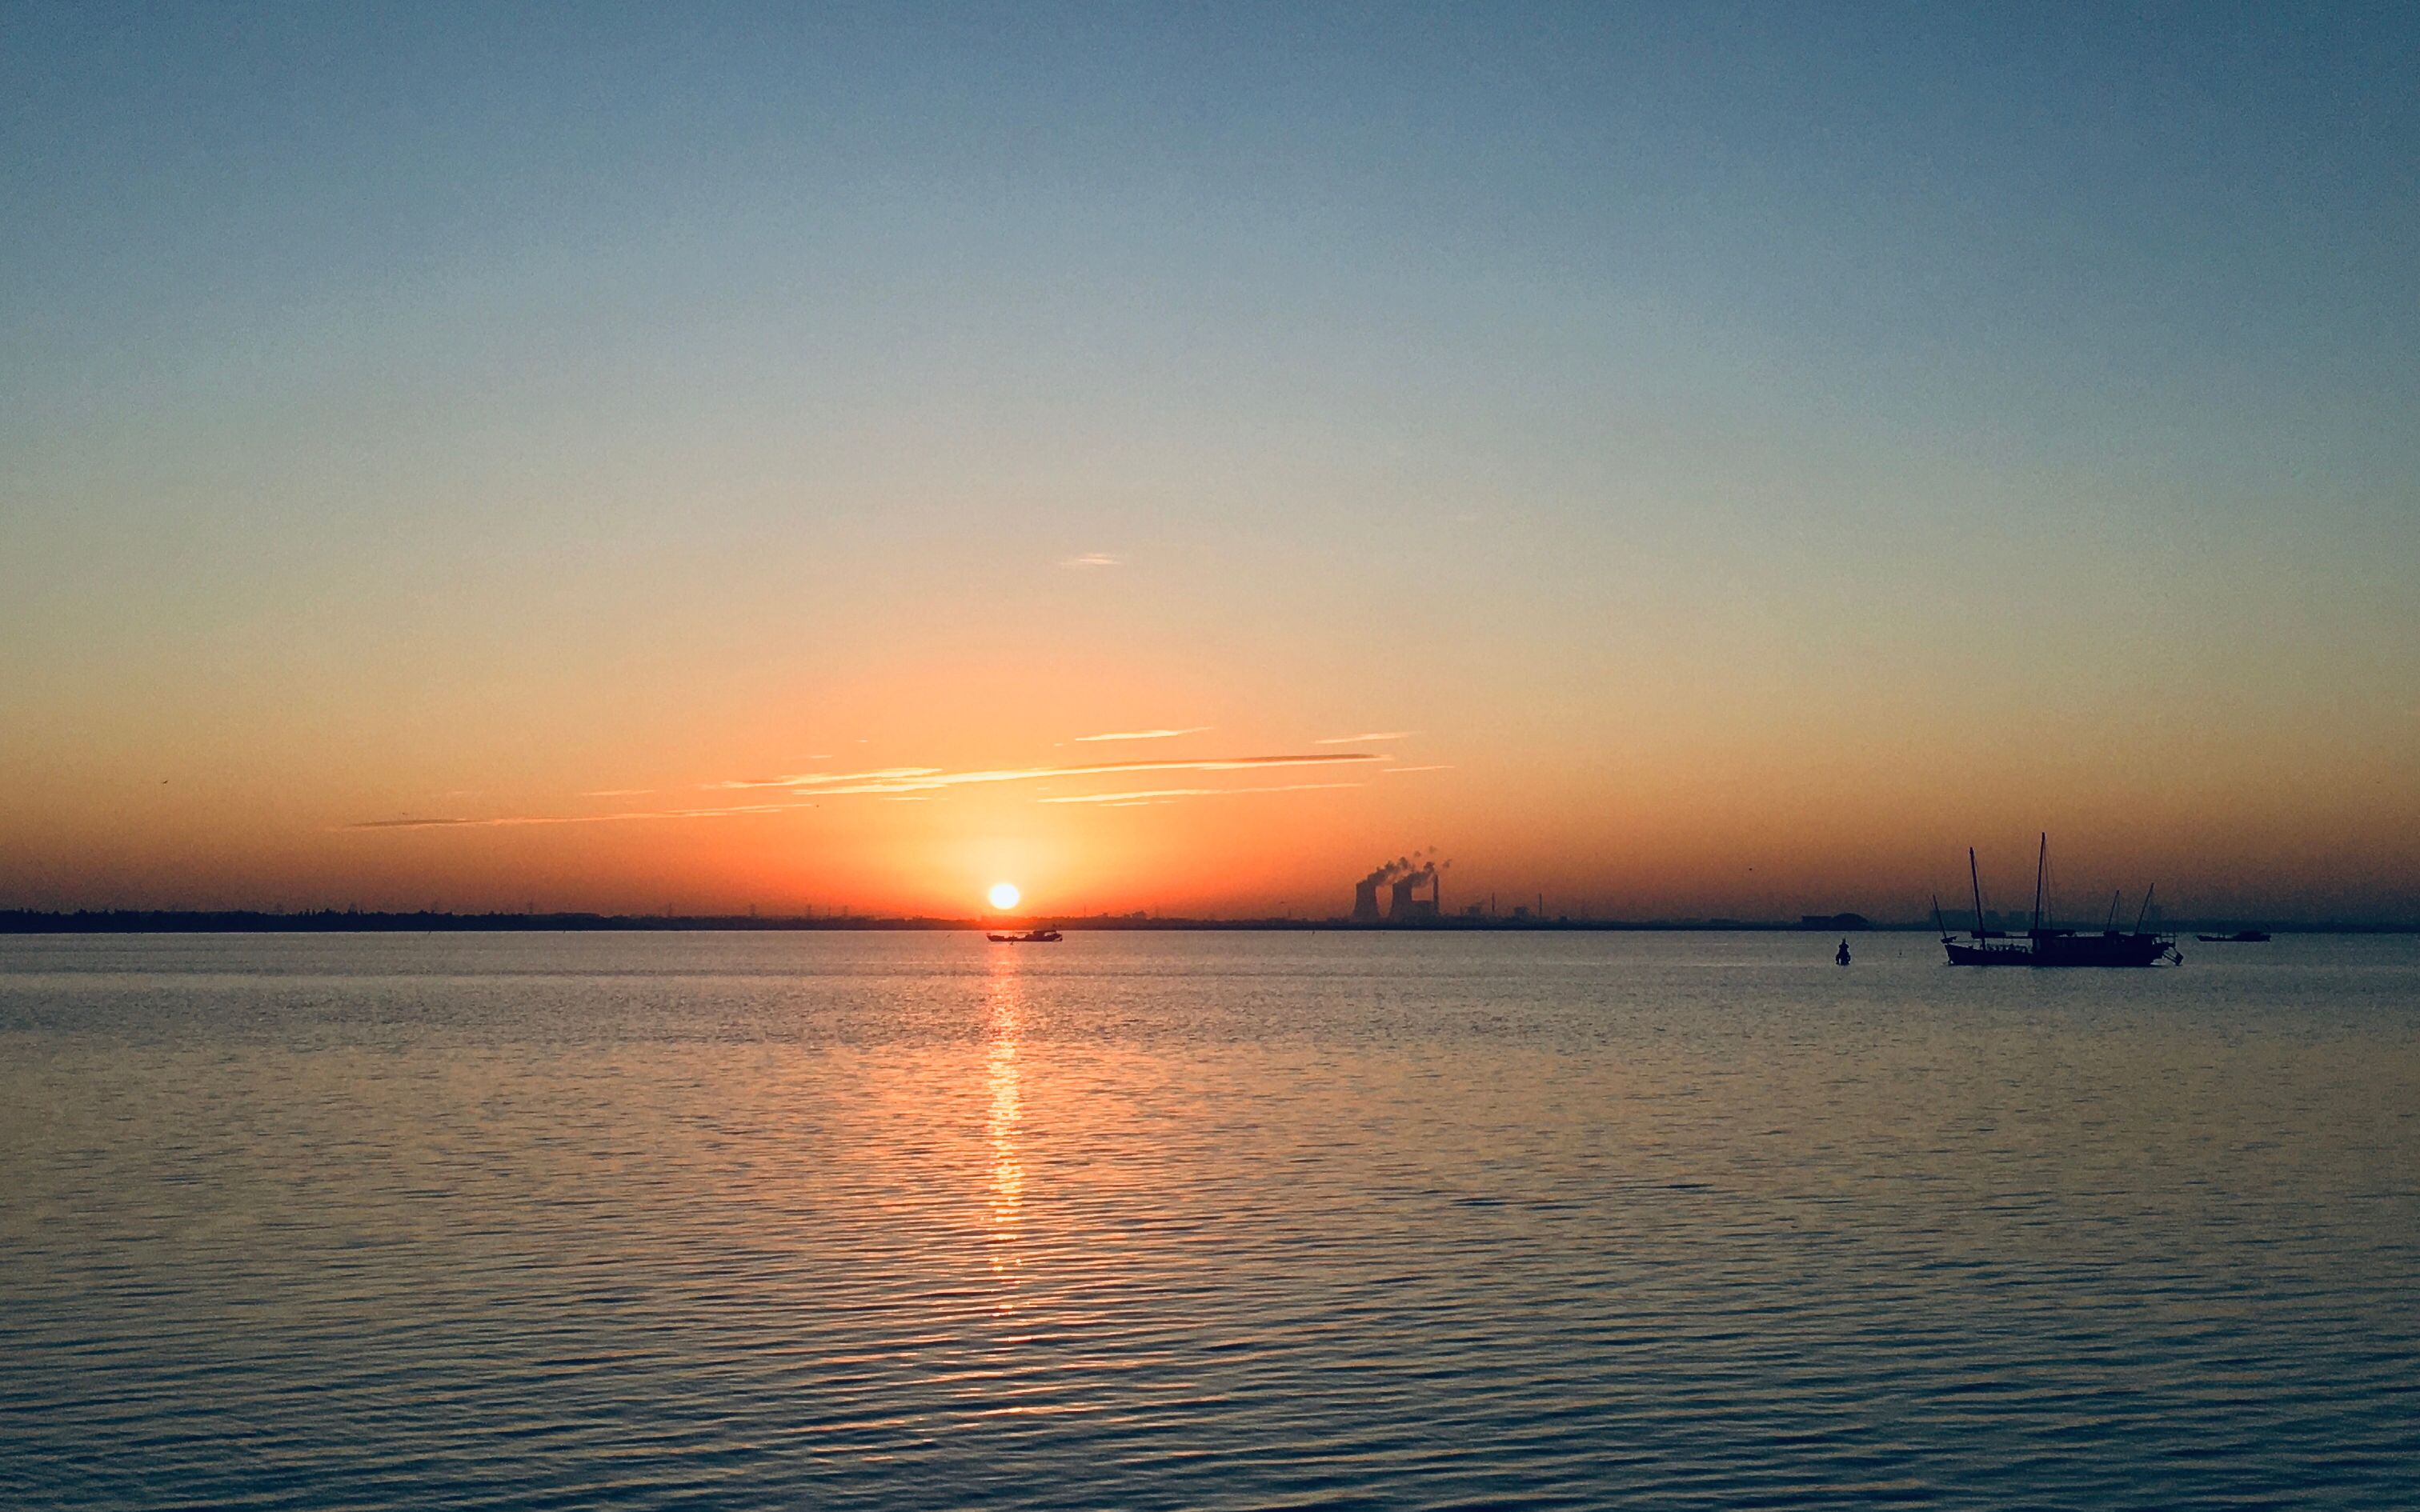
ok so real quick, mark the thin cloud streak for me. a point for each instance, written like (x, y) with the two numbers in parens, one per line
(1169, 795)
(926, 778)
(1093, 559)
(888, 782)
(569, 819)
(1397, 771)
(817, 780)
(1357, 740)
(1147, 735)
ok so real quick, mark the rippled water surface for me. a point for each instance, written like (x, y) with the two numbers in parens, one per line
(1168, 1220)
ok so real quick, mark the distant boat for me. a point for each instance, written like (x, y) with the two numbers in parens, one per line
(2043, 945)
(2241, 936)
(1030, 936)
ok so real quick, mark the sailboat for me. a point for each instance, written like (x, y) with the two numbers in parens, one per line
(2046, 946)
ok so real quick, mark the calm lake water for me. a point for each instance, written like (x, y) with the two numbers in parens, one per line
(1165, 1220)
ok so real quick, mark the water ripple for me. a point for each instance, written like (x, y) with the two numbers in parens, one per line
(1171, 1221)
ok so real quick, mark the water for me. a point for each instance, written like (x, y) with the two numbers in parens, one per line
(1161, 1220)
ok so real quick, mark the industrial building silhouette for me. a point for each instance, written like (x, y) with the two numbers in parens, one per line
(1402, 907)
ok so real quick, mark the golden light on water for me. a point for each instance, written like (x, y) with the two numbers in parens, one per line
(1007, 1086)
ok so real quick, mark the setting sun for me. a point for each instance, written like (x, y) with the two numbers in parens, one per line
(1004, 895)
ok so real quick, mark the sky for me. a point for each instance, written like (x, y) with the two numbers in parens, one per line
(1676, 460)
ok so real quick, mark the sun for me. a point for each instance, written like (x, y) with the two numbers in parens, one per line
(1004, 895)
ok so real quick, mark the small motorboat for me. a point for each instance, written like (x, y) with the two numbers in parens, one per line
(2241, 936)
(1030, 936)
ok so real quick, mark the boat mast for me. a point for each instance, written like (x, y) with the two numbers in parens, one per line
(2145, 909)
(1977, 879)
(2041, 860)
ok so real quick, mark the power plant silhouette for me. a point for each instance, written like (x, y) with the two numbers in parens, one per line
(1406, 874)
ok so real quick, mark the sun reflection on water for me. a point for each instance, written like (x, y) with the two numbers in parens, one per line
(1005, 997)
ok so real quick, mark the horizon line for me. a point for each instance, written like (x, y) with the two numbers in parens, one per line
(14, 920)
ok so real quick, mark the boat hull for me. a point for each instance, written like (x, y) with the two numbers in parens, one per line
(2066, 950)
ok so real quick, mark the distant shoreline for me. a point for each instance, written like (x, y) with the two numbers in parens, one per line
(348, 921)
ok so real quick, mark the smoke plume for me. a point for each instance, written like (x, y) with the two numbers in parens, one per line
(1420, 865)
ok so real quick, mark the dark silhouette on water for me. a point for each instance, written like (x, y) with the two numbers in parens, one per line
(2046, 946)
(1843, 958)
(1030, 936)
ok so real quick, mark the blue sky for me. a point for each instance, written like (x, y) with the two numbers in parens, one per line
(1714, 348)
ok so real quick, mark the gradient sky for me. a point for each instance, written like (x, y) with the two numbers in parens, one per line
(1736, 457)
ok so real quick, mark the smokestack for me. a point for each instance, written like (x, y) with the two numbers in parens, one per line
(1405, 873)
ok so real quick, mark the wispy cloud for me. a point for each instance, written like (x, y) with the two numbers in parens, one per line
(1363, 740)
(422, 823)
(891, 782)
(1397, 771)
(1148, 735)
(1093, 559)
(618, 792)
(569, 819)
(1118, 800)
(926, 778)
(819, 779)
(1149, 796)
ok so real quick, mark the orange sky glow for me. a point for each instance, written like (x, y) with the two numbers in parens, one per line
(843, 471)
